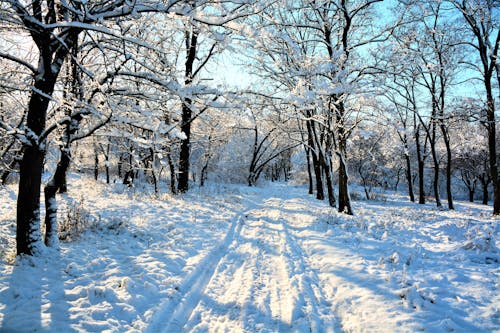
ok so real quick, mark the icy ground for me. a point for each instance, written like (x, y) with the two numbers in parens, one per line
(239, 259)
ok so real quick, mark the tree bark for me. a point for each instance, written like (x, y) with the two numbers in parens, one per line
(191, 40)
(448, 170)
(408, 177)
(320, 195)
(184, 154)
(491, 128)
(53, 185)
(420, 166)
(344, 198)
(471, 195)
(484, 183)
(309, 172)
(28, 235)
(329, 185)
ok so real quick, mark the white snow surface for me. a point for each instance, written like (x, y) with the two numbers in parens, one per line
(230, 258)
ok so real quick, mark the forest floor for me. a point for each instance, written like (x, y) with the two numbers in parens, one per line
(263, 259)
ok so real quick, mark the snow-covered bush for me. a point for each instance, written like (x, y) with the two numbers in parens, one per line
(75, 220)
(479, 238)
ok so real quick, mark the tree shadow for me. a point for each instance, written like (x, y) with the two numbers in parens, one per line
(35, 300)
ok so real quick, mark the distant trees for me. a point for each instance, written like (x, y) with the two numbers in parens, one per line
(312, 51)
(482, 21)
(269, 139)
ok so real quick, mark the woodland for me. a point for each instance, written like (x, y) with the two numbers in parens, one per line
(382, 95)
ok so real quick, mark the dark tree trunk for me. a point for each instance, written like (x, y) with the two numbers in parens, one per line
(173, 176)
(484, 179)
(120, 164)
(62, 182)
(435, 184)
(252, 170)
(183, 178)
(191, 40)
(367, 193)
(491, 128)
(344, 198)
(128, 178)
(28, 201)
(471, 195)
(320, 195)
(435, 160)
(309, 172)
(106, 162)
(448, 163)
(421, 182)
(448, 176)
(28, 235)
(96, 166)
(329, 184)
(409, 178)
(420, 163)
(107, 173)
(203, 176)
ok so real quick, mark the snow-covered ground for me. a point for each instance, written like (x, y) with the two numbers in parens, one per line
(239, 259)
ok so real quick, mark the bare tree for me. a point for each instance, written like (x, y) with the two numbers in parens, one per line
(482, 21)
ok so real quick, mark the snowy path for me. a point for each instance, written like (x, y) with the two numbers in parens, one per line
(259, 279)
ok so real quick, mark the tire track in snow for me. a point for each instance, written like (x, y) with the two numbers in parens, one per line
(312, 295)
(315, 314)
(175, 312)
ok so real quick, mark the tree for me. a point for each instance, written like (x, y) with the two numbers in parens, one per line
(482, 21)
(432, 61)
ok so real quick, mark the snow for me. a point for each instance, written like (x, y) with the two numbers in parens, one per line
(234, 258)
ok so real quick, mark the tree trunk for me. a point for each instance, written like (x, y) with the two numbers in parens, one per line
(329, 185)
(421, 164)
(203, 176)
(320, 195)
(191, 40)
(491, 127)
(63, 183)
(484, 183)
(448, 165)
(96, 166)
(173, 177)
(120, 165)
(28, 235)
(106, 163)
(367, 193)
(309, 172)
(408, 178)
(54, 184)
(471, 195)
(435, 161)
(344, 197)
(183, 178)
(436, 181)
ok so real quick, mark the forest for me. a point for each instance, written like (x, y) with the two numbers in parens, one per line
(349, 100)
